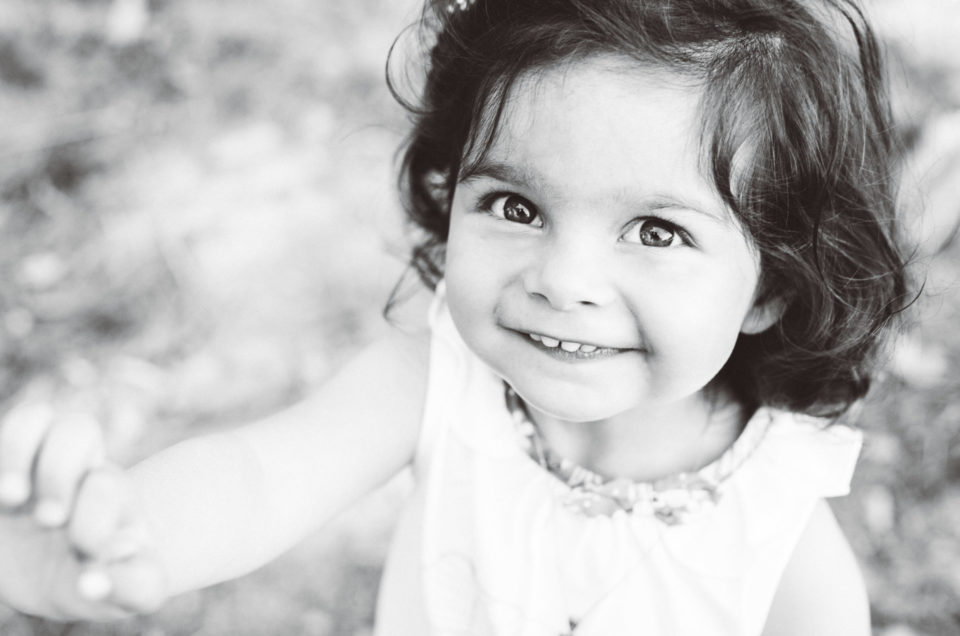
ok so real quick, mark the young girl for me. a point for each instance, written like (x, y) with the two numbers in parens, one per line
(660, 235)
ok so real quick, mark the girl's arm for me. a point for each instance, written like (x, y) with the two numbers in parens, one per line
(204, 510)
(822, 592)
(222, 505)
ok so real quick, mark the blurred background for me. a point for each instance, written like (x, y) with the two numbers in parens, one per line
(198, 223)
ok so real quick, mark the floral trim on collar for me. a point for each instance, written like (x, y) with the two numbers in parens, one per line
(672, 500)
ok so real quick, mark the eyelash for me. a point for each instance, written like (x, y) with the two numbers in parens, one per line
(487, 201)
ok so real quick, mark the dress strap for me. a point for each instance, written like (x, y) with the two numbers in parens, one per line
(820, 456)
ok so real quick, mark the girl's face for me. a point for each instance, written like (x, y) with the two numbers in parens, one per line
(589, 261)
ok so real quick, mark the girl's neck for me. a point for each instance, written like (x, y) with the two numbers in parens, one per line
(648, 444)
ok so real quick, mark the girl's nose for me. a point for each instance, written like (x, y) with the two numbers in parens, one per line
(568, 276)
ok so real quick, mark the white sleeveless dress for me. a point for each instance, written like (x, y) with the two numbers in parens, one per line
(488, 547)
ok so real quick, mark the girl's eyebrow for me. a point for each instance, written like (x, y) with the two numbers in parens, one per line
(506, 172)
(667, 202)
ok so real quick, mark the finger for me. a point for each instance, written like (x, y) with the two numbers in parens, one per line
(21, 436)
(72, 447)
(134, 585)
(70, 603)
(100, 511)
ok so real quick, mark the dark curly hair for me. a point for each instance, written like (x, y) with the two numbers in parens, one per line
(798, 84)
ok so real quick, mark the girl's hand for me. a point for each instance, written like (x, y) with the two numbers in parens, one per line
(72, 543)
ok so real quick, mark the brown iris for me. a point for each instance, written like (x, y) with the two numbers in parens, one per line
(517, 210)
(656, 234)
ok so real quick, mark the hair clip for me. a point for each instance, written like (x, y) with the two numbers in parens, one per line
(459, 5)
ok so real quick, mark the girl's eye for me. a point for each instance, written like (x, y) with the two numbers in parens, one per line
(654, 233)
(515, 209)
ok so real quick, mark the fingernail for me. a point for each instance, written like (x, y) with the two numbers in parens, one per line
(14, 489)
(50, 513)
(94, 585)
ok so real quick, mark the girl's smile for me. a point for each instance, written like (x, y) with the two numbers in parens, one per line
(571, 350)
(589, 261)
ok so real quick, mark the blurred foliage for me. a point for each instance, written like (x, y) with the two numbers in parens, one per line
(198, 223)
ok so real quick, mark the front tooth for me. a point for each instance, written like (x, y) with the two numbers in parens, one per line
(588, 348)
(569, 346)
(534, 336)
(549, 342)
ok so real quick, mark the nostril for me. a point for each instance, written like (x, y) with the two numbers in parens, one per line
(566, 294)
(562, 302)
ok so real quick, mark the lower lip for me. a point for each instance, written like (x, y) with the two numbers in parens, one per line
(558, 353)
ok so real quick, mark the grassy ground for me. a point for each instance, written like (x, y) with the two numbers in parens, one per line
(199, 224)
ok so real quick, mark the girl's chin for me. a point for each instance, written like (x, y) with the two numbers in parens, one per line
(571, 407)
(578, 404)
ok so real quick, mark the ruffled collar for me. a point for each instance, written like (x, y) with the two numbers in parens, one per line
(672, 499)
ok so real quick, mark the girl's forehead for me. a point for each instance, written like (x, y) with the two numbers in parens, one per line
(589, 94)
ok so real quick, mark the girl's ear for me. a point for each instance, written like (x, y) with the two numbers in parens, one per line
(763, 315)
